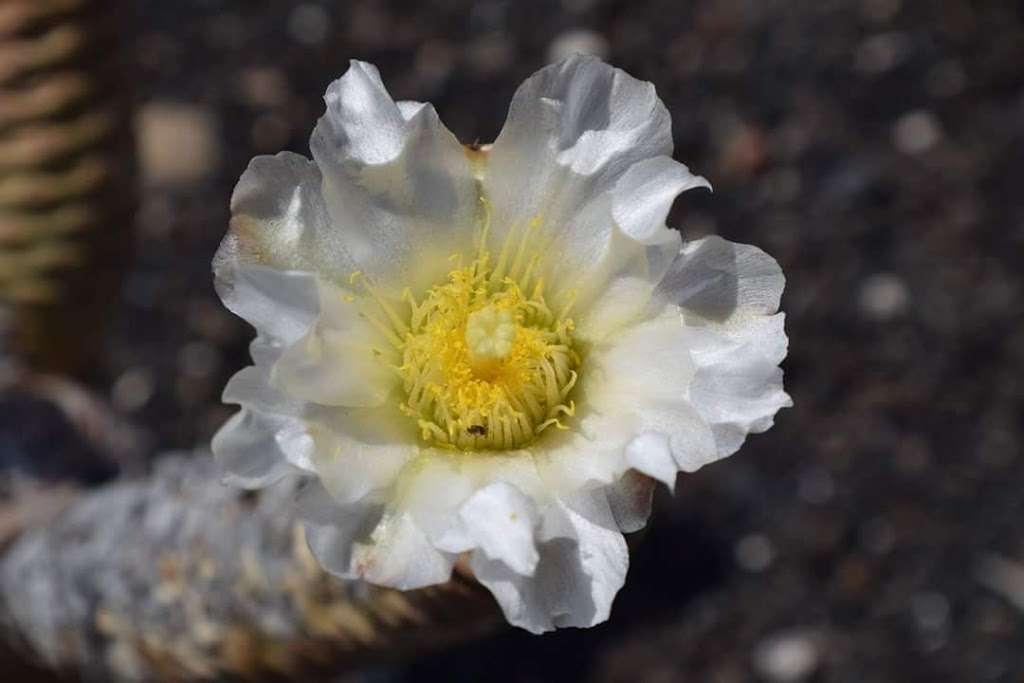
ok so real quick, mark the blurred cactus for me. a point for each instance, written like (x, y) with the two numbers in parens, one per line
(66, 180)
(179, 578)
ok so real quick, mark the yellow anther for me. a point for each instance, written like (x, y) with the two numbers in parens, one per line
(485, 363)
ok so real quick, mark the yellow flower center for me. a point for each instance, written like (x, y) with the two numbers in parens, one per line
(486, 364)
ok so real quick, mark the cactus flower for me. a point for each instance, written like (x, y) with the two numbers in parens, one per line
(489, 354)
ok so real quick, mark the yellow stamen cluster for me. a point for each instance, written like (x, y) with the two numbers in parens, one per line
(486, 364)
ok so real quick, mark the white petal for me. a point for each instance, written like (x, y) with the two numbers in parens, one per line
(582, 160)
(397, 183)
(738, 385)
(630, 501)
(279, 218)
(580, 115)
(719, 280)
(603, 555)
(616, 290)
(643, 249)
(430, 491)
(728, 294)
(263, 442)
(589, 456)
(281, 305)
(332, 530)
(501, 521)
(635, 384)
(582, 566)
(573, 129)
(644, 194)
(247, 453)
(360, 451)
(651, 454)
(622, 301)
(341, 361)
(399, 555)
(356, 534)
(443, 493)
(649, 359)
(646, 373)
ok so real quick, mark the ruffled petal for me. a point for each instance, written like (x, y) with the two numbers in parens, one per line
(633, 413)
(265, 440)
(361, 541)
(332, 530)
(399, 554)
(247, 453)
(279, 218)
(438, 489)
(651, 453)
(342, 361)
(729, 294)
(582, 167)
(723, 282)
(582, 565)
(666, 431)
(642, 248)
(501, 521)
(360, 452)
(398, 185)
(644, 194)
(281, 305)
(579, 122)
(629, 500)
(738, 385)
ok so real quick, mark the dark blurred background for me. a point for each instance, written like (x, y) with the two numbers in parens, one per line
(874, 147)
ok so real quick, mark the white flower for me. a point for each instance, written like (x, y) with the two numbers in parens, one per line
(490, 353)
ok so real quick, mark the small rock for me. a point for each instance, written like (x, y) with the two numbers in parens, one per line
(435, 61)
(884, 296)
(264, 87)
(178, 142)
(132, 390)
(577, 41)
(931, 611)
(198, 360)
(744, 152)
(490, 53)
(881, 53)
(787, 657)
(916, 132)
(754, 553)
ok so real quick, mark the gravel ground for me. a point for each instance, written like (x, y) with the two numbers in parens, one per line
(875, 148)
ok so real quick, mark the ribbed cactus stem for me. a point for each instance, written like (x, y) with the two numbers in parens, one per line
(66, 180)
